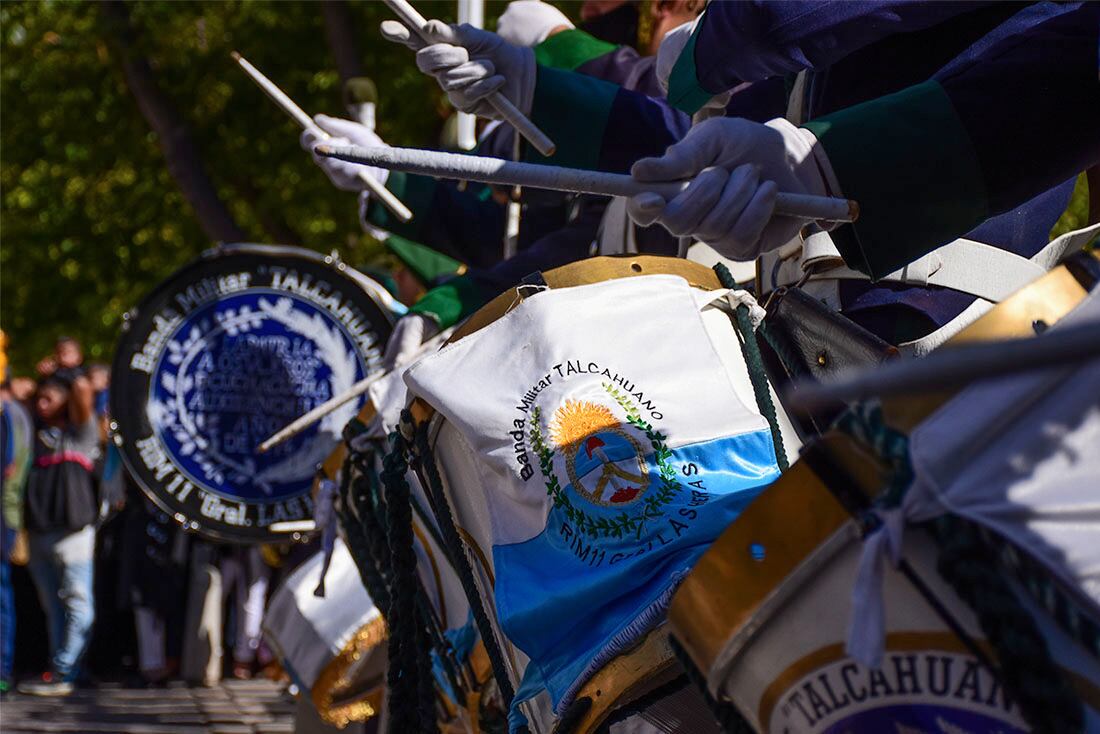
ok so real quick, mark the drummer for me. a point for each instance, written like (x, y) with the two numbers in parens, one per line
(458, 223)
(419, 268)
(469, 223)
(942, 58)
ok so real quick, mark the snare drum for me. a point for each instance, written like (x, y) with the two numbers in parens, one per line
(469, 491)
(332, 646)
(765, 613)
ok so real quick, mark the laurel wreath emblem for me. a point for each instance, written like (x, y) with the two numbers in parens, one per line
(623, 523)
(173, 416)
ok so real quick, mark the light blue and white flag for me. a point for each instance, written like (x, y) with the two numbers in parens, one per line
(614, 449)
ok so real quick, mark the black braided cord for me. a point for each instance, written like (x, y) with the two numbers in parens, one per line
(726, 714)
(445, 519)
(425, 677)
(402, 676)
(371, 511)
(358, 545)
(754, 362)
(364, 494)
(1031, 678)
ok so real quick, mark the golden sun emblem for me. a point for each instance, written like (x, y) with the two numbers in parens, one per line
(582, 430)
(576, 420)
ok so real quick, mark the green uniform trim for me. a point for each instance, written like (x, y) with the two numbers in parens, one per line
(569, 49)
(909, 162)
(416, 192)
(573, 109)
(684, 90)
(451, 302)
(426, 264)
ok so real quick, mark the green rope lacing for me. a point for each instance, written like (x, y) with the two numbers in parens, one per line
(754, 362)
(445, 519)
(1029, 676)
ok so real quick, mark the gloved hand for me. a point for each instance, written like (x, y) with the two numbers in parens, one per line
(529, 22)
(470, 64)
(344, 175)
(736, 168)
(409, 334)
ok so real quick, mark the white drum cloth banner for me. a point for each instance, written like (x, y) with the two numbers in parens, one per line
(1018, 455)
(308, 631)
(613, 449)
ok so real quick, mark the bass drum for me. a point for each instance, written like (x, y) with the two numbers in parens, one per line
(225, 352)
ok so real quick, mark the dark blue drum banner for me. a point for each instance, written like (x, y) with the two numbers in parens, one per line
(224, 353)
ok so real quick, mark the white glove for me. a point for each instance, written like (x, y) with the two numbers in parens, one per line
(736, 168)
(529, 22)
(470, 64)
(344, 175)
(409, 334)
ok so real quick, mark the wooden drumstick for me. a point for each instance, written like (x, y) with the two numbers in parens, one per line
(295, 427)
(279, 97)
(416, 23)
(556, 178)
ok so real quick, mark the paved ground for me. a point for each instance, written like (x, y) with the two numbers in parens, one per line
(236, 707)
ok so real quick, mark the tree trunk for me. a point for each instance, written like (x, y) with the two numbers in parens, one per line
(273, 223)
(341, 38)
(179, 148)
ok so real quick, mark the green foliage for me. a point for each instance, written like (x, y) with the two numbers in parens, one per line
(1076, 214)
(91, 217)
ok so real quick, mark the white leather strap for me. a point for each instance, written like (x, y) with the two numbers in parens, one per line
(964, 265)
(616, 234)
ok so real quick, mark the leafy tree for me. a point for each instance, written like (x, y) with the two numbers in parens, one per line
(92, 218)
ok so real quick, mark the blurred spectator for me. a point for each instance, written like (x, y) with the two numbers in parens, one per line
(16, 433)
(22, 389)
(99, 375)
(245, 576)
(66, 361)
(152, 573)
(61, 510)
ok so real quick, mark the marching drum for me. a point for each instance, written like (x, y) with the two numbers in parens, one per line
(638, 660)
(219, 356)
(332, 646)
(766, 613)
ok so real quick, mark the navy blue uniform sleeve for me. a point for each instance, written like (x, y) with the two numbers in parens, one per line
(750, 40)
(1015, 117)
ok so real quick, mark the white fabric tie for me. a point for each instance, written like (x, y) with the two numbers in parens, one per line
(867, 625)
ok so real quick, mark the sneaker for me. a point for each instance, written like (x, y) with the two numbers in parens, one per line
(46, 688)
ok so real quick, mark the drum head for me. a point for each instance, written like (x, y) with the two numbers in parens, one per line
(221, 355)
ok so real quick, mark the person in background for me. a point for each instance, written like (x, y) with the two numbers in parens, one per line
(16, 431)
(67, 359)
(245, 576)
(22, 389)
(60, 513)
(99, 375)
